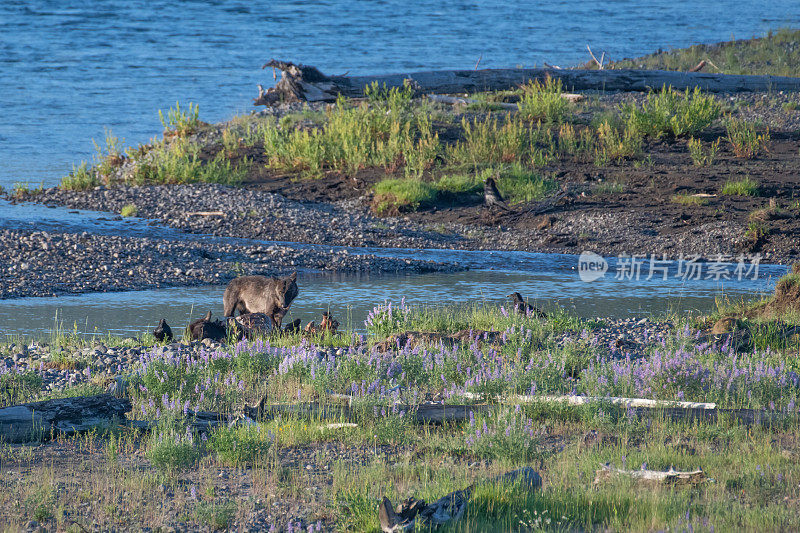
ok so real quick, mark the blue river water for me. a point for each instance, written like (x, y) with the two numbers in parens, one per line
(69, 69)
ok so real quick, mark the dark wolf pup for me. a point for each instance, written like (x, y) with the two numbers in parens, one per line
(259, 294)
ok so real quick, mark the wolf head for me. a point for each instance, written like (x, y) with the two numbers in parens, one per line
(286, 290)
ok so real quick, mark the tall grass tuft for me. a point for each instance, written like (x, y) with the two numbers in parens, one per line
(701, 157)
(671, 112)
(542, 101)
(743, 187)
(747, 143)
(81, 178)
(181, 122)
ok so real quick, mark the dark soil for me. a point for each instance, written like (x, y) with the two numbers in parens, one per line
(646, 200)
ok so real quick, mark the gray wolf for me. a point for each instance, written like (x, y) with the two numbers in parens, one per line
(260, 294)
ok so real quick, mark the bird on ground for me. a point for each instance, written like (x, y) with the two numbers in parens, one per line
(491, 195)
(163, 331)
(524, 308)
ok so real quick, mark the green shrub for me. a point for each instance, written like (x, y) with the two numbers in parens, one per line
(109, 158)
(756, 230)
(671, 112)
(700, 157)
(543, 101)
(179, 162)
(747, 143)
(745, 187)
(129, 210)
(170, 450)
(611, 144)
(80, 179)
(241, 445)
(487, 141)
(179, 121)
(384, 134)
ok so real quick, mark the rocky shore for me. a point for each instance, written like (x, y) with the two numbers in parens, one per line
(43, 263)
(98, 364)
(226, 211)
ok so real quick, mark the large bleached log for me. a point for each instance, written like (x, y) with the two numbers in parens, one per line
(307, 83)
(31, 421)
(670, 476)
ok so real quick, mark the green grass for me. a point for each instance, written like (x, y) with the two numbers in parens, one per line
(180, 121)
(774, 54)
(81, 178)
(129, 210)
(673, 113)
(689, 199)
(753, 469)
(382, 132)
(170, 450)
(608, 187)
(516, 183)
(179, 162)
(542, 101)
(22, 189)
(702, 157)
(743, 187)
(216, 515)
(241, 445)
(394, 195)
(519, 185)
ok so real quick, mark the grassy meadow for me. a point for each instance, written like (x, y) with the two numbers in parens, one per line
(225, 476)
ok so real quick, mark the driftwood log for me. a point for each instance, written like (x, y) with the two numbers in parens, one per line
(307, 84)
(32, 421)
(448, 508)
(655, 477)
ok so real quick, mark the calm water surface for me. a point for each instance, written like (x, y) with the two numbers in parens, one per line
(554, 282)
(70, 69)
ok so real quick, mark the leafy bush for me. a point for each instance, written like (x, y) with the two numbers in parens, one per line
(241, 445)
(488, 141)
(613, 144)
(671, 112)
(747, 143)
(129, 210)
(700, 157)
(80, 179)
(179, 162)
(179, 121)
(543, 101)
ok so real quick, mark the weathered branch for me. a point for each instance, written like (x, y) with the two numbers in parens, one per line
(32, 421)
(650, 476)
(446, 509)
(306, 83)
